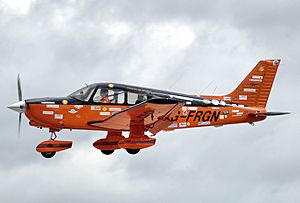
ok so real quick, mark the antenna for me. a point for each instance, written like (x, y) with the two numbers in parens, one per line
(207, 86)
(214, 90)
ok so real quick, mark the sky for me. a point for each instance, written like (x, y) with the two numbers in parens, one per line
(192, 46)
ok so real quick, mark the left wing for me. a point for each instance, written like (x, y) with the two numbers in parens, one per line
(154, 114)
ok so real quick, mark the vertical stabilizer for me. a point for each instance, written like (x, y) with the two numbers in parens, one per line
(255, 89)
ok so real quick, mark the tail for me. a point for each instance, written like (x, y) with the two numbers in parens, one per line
(255, 89)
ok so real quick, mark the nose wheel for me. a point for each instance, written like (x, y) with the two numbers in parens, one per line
(49, 155)
(49, 147)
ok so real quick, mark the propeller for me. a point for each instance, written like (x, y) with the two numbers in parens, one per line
(19, 106)
(20, 99)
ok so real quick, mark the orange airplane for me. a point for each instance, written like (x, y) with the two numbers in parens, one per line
(117, 108)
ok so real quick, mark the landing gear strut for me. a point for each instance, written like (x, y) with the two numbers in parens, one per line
(53, 135)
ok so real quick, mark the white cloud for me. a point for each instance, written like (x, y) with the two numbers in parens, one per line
(171, 35)
(116, 30)
(17, 7)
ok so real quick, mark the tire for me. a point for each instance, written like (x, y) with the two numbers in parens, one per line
(133, 151)
(48, 154)
(107, 152)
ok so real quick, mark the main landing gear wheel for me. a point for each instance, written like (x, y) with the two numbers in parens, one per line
(132, 151)
(48, 154)
(107, 152)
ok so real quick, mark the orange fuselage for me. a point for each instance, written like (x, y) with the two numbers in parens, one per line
(65, 116)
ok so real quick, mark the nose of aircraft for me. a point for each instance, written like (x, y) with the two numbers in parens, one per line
(19, 106)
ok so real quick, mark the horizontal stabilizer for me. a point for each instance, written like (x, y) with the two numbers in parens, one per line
(269, 114)
(276, 113)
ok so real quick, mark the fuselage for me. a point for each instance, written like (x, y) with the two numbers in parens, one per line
(72, 112)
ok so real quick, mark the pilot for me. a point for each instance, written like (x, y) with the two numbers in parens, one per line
(104, 96)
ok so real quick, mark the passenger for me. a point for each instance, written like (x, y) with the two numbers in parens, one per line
(104, 96)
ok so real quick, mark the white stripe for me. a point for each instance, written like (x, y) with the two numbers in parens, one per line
(249, 90)
(255, 80)
(48, 112)
(48, 102)
(257, 77)
(52, 106)
(243, 97)
(105, 113)
(58, 116)
(114, 109)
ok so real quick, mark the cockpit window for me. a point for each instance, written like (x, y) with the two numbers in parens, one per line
(105, 95)
(135, 98)
(84, 93)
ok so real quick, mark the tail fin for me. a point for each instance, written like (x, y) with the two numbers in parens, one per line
(255, 89)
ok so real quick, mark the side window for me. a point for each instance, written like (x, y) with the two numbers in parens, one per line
(116, 96)
(135, 98)
(104, 95)
(97, 97)
(120, 97)
(89, 95)
(132, 97)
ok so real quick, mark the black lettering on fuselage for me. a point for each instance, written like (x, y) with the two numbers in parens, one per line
(198, 115)
(190, 115)
(215, 116)
(206, 116)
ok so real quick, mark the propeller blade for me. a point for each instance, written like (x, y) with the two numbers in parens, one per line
(19, 125)
(19, 88)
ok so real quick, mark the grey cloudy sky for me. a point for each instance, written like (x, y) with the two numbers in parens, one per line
(57, 46)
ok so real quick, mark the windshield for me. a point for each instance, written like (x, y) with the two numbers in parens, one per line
(84, 93)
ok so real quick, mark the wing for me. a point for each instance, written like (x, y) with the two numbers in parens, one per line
(154, 114)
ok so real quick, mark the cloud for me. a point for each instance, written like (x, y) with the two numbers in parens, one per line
(15, 7)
